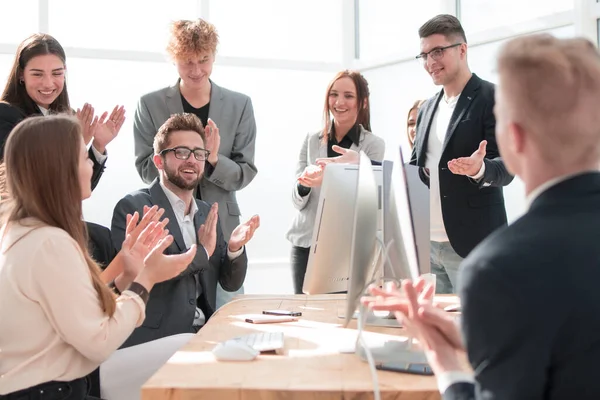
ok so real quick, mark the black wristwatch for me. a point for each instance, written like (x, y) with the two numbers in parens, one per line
(303, 190)
(140, 291)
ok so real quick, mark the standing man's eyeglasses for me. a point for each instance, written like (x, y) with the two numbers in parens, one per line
(436, 54)
(183, 153)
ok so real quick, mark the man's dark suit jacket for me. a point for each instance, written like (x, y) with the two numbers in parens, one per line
(531, 304)
(471, 210)
(172, 304)
(10, 116)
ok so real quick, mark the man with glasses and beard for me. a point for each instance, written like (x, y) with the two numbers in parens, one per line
(183, 304)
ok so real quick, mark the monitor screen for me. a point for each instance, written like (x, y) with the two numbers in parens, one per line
(402, 260)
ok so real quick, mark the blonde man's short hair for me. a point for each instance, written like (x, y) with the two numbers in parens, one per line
(552, 89)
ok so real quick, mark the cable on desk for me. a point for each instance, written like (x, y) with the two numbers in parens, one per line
(362, 319)
(370, 360)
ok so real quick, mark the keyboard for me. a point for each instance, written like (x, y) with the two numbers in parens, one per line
(263, 341)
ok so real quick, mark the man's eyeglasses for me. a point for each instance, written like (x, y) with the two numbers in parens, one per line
(183, 153)
(436, 54)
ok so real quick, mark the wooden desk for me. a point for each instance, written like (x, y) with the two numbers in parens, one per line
(311, 368)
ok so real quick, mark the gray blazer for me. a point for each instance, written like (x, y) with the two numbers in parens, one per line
(300, 234)
(172, 303)
(233, 114)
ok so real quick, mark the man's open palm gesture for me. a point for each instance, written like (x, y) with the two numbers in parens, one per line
(469, 166)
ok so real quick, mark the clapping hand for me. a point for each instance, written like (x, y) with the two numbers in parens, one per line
(243, 233)
(393, 300)
(135, 251)
(312, 176)
(207, 234)
(347, 157)
(144, 246)
(435, 329)
(213, 141)
(108, 128)
(141, 238)
(160, 267)
(88, 122)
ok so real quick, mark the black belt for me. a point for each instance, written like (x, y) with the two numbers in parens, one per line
(54, 390)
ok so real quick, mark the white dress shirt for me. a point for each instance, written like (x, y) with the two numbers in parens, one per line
(99, 156)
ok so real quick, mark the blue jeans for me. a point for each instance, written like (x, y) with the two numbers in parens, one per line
(445, 264)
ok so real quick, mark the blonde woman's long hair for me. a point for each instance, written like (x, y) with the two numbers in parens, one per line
(42, 177)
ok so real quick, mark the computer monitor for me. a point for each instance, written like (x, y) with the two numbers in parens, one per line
(364, 232)
(399, 237)
(328, 268)
(418, 195)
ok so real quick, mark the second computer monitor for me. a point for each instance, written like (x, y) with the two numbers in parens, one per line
(328, 268)
(402, 261)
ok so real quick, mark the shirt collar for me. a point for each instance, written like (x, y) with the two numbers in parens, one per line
(450, 101)
(178, 204)
(535, 193)
(353, 134)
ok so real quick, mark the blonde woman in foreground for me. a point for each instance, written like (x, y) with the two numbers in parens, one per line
(59, 320)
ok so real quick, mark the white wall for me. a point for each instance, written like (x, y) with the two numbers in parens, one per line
(482, 15)
(388, 27)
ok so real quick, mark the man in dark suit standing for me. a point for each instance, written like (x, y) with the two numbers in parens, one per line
(529, 292)
(183, 304)
(456, 148)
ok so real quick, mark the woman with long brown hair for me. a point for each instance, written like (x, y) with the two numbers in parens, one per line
(37, 85)
(59, 319)
(346, 125)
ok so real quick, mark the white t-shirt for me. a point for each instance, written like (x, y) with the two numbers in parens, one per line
(439, 128)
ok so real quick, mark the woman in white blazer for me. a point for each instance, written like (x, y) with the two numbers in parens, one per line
(346, 124)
